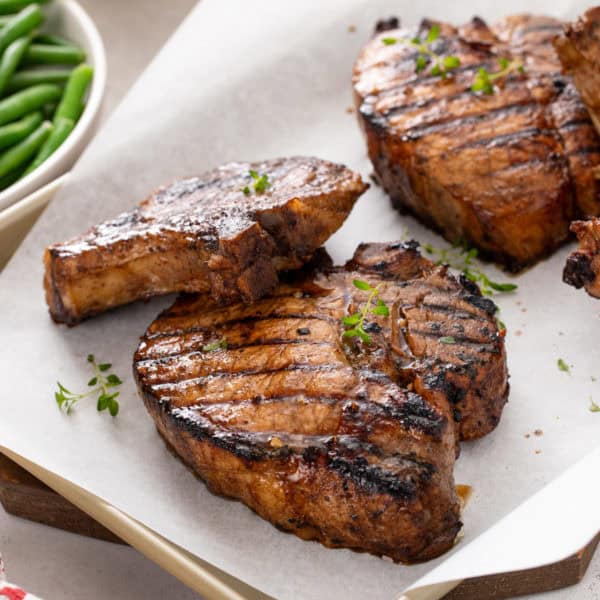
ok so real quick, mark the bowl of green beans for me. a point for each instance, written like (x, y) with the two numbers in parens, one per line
(52, 80)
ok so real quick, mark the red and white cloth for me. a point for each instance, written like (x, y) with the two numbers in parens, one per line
(8, 591)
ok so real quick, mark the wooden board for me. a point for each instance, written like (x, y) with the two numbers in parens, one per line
(24, 496)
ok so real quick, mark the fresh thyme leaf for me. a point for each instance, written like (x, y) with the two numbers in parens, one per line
(112, 380)
(351, 333)
(440, 65)
(421, 63)
(100, 385)
(216, 345)
(352, 319)
(361, 285)
(373, 306)
(448, 339)
(113, 407)
(261, 183)
(433, 33)
(502, 287)
(484, 80)
(381, 309)
(593, 406)
(563, 366)
(451, 62)
(462, 258)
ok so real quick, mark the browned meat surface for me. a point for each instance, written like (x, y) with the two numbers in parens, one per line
(583, 265)
(505, 172)
(579, 50)
(334, 439)
(203, 234)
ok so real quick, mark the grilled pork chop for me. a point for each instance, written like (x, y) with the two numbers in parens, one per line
(505, 172)
(583, 265)
(579, 51)
(214, 233)
(578, 48)
(329, 437)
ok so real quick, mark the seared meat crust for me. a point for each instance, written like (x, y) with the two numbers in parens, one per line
(583, 265)
(505, 172)
(578, 48)
(349, 444)
(203, 234)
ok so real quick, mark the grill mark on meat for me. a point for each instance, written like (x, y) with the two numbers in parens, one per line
(333, 450)
(416, 133)
(430, 101)
(459, 341)
(304, 368)
(574, 124)
(299, 316)
(411, 411)
(376, 480)
(507, 138)
(274, 422)
(165, 358)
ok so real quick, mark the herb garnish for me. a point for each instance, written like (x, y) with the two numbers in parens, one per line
(261, 183)
(216, 345)
(462, 258)
(563, 366)
(373, 306)
(101, 384)
(484, 80)
(440, 65)
(593, 406)
(448, 339)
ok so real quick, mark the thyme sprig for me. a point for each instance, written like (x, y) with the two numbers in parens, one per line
(102, 383)
(216, 345)
(484, 80)
(462, 258)
(373, 306)
(440, 65)
(563, 366)
(261, 183)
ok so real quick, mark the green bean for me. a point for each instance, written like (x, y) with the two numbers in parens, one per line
(21, 24)
(60, 133)
(71, 104)
(4, 19)
(28, 77)
(21, 153)
(10, 178)
(47, 54)
(15, 132)
(52, 39)
(12, 6)
(10, 60)
(27, 100)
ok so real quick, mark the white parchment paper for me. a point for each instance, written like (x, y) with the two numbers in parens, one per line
(242, 81)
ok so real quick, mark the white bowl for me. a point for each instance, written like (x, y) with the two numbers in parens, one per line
(68, 19)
